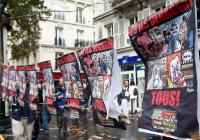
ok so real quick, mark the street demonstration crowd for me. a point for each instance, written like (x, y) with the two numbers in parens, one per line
(27, 119)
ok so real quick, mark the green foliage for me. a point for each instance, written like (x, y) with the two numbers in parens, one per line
(26, 14)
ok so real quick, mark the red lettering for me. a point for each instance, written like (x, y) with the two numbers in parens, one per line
(166, 98)
(153, 97)
(178, 98)
(172, 98)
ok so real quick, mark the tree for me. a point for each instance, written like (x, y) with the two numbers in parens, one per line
(26, 15)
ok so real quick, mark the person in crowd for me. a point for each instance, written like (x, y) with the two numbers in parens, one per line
(45, 114)
(23, 117)
(123, 100)
(59, 105)
(133, 92)
(87, 98)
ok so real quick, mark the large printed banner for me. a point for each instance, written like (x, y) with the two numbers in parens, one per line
(33, 93)
(167, 45)
(4, 84)
(21, 74)
(11, 80)
(98, 62)
(69, 68)
(46, 69)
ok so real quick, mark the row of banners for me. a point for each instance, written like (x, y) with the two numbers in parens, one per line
(101, 68)
(167, 45)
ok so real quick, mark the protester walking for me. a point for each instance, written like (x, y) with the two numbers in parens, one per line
(45, 114)
(23, 117)
(60, 106)
(123, 100)
(133, 91)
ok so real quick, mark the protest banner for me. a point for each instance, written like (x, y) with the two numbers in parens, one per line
(21, 76)
(166, 43)
(33, 92)
(11, 81)
(4, 83)
(49, 89)
(102, 69)
(69, 68)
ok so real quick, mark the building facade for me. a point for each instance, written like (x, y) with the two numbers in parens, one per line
(69, 27)
(114, 20)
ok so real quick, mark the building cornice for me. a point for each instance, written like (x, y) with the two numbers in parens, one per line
(105, 14)
(81, 1)
(125, 49)
(58, 47)
(70, 23)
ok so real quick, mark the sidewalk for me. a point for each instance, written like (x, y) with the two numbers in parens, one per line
(89, 131)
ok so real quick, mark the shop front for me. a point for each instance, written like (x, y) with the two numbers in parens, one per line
(132, 69)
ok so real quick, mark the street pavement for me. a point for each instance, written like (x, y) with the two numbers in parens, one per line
(89, 131)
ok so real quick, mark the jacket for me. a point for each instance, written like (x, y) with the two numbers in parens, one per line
(18, 112)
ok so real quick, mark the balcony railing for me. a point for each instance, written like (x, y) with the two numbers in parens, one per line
(81, 43)
(59, 42)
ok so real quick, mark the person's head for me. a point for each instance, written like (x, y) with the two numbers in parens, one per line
(125, 83)
(61, 82)
(132, 83)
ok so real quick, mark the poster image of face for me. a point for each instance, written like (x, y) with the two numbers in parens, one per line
(164, 120)
(74, 89)
(72, 70)
(152, 43)
(32, 76)
(5, 77)
(106, 84)
(97, 86)
(99, 64)
(154, 75)
(174, 63)
(21, 79)
(12, 80)
(48, 77)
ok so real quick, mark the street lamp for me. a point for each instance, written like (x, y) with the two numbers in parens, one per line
(4, 27)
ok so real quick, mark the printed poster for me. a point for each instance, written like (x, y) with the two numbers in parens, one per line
(21, 74)
(69, 68)
(166, 42)
(11, 80)
(33, 93)
(98, 62)
(4, 83)
(46, 69)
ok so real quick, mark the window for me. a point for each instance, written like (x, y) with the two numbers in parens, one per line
(109, 29)
(35, 59)
(79, 41)
(59, 16)
(79, 15)
(133, 20)
(80, 34)
(100, 33)
(59, 41)
(57, 55)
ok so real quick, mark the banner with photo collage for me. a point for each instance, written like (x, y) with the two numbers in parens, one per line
(21, 76)
(4, 83)
(69, 68)
(11, 81)
(46, 69)
(166, 42)
(98, 62)
(33, 93)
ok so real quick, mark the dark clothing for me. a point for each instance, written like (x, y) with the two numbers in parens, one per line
(25, 109)
(18, 111)
(122, 96)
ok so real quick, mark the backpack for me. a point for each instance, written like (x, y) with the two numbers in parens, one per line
(135, 92)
